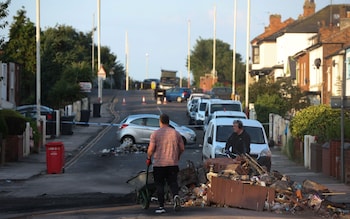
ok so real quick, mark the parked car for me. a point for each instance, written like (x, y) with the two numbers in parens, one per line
(178, 94)
(30, 111)
(138, 128)
(147, 83)
(222, 92)
(193, 99)
(220, 129)
(200, 111)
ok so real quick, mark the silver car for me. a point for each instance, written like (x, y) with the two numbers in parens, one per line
(139, 127)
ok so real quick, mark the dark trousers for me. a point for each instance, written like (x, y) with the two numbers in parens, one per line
(164, 175)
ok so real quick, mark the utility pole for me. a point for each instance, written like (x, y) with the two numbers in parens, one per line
(214, 48)
(188, 54)
(38, 70)
(247, 61)
(126, 62)
(93, 44)
(234, 51)
(99, 84)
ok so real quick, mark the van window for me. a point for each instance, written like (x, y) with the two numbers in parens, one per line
(223, 132)
(256, 135)
(202, 106)
(225, 107)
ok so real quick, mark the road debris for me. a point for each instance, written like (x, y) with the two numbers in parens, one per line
(243, 183)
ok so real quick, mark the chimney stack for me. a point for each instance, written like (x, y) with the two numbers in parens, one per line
(309, 8)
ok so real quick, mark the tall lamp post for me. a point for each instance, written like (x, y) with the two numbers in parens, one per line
(111, 73)
(147, 55)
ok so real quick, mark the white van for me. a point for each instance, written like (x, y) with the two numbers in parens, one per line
(220, 129)
(221, 105)
(200, 111)
(225, 114)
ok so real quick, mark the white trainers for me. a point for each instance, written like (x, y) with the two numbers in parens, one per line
(160, 210)
(177, 203)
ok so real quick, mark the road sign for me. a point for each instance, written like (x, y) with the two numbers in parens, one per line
(101, 73)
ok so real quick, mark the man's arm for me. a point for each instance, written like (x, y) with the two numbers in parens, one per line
(151, 146)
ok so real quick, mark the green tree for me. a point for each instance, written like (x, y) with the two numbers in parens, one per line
(65, 60)
(266, 104)
(321, 121)
(279, 96)
(21, 49)
(202, 61)
(3, 14)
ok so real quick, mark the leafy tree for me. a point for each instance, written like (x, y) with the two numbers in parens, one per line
(202, 61)
(3, 14)
(321, 121)
(279, 96)
(67, 90)
(266, 104)
(65, 57)
(21, 49)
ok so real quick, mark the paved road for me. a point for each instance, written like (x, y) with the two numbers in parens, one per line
(98, 180)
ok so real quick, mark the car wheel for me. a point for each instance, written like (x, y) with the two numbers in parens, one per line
(179, 99)
(127, 140)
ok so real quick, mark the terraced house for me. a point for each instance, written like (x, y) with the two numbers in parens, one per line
(313, 50)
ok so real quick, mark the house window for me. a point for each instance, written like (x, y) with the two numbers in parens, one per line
(256, 55)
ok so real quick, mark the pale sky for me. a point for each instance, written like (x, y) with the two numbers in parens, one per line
(158, 29)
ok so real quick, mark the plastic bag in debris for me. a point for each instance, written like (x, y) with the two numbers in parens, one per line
(314, 201)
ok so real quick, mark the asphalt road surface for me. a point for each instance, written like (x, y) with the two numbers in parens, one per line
(99, 179)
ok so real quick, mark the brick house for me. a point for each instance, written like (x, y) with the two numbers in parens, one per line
(302, 49)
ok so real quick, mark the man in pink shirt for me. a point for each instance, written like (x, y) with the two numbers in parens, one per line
(166, 146)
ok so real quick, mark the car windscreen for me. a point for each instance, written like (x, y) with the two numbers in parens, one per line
(225, 107)
(223, 132)
(256, 134)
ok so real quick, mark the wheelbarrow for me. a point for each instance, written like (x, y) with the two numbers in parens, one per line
(145, 187)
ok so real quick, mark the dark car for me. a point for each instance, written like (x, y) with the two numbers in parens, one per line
(30, 111)
(178, 94)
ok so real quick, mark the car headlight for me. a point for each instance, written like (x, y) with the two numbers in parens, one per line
(265, 153)
(218, 150)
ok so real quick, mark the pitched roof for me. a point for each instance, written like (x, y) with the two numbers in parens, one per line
(312, 23)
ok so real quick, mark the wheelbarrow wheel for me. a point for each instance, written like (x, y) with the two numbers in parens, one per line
(144, 199)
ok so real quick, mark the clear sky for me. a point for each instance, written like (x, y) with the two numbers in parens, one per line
(158, 29)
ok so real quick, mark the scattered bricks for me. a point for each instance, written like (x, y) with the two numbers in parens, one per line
(219, 164)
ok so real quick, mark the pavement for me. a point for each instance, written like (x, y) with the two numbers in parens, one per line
(35, 164)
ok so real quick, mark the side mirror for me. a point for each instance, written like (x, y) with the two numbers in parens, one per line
(210, 140)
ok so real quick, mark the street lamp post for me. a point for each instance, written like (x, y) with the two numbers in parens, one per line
(111, 73)
(147, 55)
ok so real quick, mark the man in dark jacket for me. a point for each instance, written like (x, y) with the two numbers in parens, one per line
(239, 141)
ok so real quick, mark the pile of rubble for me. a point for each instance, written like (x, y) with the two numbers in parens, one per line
(124, 149)
(245, 184)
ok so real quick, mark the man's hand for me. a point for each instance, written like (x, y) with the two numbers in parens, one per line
(148, 162)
